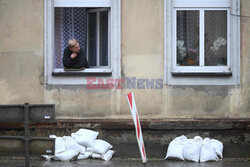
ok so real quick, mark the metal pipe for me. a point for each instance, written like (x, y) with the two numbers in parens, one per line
(26, 137)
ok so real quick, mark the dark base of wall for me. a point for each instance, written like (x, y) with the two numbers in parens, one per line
(157, 134)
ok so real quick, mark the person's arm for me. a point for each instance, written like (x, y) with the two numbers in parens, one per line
(84, 59)
(68, 62)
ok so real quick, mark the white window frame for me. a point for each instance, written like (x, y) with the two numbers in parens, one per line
(115, 43)
(202, 75)
(201, 67)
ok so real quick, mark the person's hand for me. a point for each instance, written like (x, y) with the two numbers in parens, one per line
(73, 55)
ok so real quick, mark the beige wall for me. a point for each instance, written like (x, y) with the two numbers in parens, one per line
(21, 51)
(21, 66)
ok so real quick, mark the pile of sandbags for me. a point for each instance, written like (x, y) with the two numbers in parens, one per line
(82, 144)
(196, 149)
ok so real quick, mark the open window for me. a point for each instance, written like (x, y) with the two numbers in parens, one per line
(96, 25)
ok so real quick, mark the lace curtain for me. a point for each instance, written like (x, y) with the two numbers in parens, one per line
(69, 23)
(188, 38)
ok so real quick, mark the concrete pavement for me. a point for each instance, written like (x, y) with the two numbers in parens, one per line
(127, 163)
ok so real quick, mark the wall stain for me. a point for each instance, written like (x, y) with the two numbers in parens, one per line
(211, 90)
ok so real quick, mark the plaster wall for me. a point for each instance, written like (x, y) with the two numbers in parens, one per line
(142, 54)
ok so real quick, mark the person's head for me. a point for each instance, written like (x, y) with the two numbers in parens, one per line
(74, 46)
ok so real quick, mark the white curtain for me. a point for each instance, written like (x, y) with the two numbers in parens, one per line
(69, 23)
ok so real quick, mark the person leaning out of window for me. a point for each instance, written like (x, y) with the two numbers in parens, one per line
(74, 57)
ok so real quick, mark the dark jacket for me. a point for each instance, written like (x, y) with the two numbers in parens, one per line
(78, 62)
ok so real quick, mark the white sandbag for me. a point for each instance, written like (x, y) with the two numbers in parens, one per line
(207, 152)
(99, 147)
(85, 155)
(85, 141)
(90, 133)
(191, 149)
(108, 155)
(71, 144)
(96, 156)
(75, 147)
(52, 136)
(218, 147)
(198, 140)
(85, 137)
(175, 148)
(67, 155)
(48, 157)
(59, 145)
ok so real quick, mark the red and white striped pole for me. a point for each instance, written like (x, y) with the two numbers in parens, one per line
(133, 109)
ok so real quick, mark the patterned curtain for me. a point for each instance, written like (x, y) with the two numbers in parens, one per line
(188, 38)
(69, 23)
(187, 44)
(215, 38)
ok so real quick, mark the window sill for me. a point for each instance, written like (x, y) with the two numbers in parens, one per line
(86, 72)
(202, 74)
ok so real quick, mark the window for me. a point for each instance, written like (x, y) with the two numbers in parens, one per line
(90, 27)
(96, 24)
(202, 42)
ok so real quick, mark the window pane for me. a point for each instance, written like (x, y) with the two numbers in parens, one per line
(104, 38)
(58, 49)
(187, 44)
(215, 38)
(92, 44)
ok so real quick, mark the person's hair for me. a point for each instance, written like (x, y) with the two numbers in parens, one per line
(72, 43)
